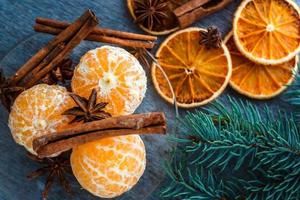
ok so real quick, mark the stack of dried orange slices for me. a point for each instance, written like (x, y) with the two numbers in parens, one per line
(261, 62)
(264, 45)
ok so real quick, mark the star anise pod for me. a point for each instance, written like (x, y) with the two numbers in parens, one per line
(150, 12)
(56, 168)
(8, 93)
(211, 37)
(88, 109)
(61, 73)
(141, 55)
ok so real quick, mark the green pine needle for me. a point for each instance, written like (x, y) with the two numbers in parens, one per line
(239, 152)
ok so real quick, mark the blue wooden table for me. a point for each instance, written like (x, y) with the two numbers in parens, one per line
(18, 42)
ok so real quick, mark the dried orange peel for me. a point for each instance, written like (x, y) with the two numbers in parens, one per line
(37, 111)
(198, 75)
(256, 80)
(267, 31)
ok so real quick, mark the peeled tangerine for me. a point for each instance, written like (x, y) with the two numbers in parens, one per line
(37, 111)
(117, 76)
(109, 167)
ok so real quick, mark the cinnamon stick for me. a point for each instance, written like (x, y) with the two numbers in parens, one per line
(83, 29)
(42, 53)
(97, 30)
(52, 143)
(67, 144)
(193, 10)
(99, 37)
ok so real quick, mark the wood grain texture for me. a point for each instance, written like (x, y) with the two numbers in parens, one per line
(18, 42)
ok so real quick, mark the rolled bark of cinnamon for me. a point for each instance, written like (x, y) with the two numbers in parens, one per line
(194, 10)
(52, 143)
(42, 53)
(97, 30)
(83, 28)
(99, 37)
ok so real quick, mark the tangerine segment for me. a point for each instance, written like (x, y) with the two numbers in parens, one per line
(268, 31)
(117, 76)
(197, 74)
(256, 80)
(109, 167)
(37, 111)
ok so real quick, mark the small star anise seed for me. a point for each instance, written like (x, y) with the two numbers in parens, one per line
(63, 72)
(57, 168)
(211, 38)
(87, 110)
(141, 55)
(8, 93)
(150, 12)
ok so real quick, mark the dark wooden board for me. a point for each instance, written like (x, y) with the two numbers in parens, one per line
(18, 42)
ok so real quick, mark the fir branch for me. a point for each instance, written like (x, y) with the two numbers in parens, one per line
(232, 141)
(189, 184)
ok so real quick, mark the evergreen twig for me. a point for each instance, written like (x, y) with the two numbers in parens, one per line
(236, 153)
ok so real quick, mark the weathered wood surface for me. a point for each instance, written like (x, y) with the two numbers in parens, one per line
(18, 42)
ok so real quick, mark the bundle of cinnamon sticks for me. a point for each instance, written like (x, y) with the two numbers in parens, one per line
(53, 143)
(68, 37)
(55, 51)
(98, 34)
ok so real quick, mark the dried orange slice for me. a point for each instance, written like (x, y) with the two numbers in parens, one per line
(109, 167)
(267, 31)
(38, 110)
(256, 80)
(117, 76)
(197, 74)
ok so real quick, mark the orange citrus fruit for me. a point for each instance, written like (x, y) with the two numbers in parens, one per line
(37, 111)
(267, 31)
(109, 167)
(117, 76)
(256, 80)
(197, 74)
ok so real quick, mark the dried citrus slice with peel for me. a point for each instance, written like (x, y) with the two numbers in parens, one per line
(197, 74)
(267, 31)
(117, 76)
(109, 167)
(37, 111)
(256, 80)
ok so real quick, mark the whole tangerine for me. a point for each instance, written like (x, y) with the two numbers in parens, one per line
(37, 111)
(109, 167)
(117, 76)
